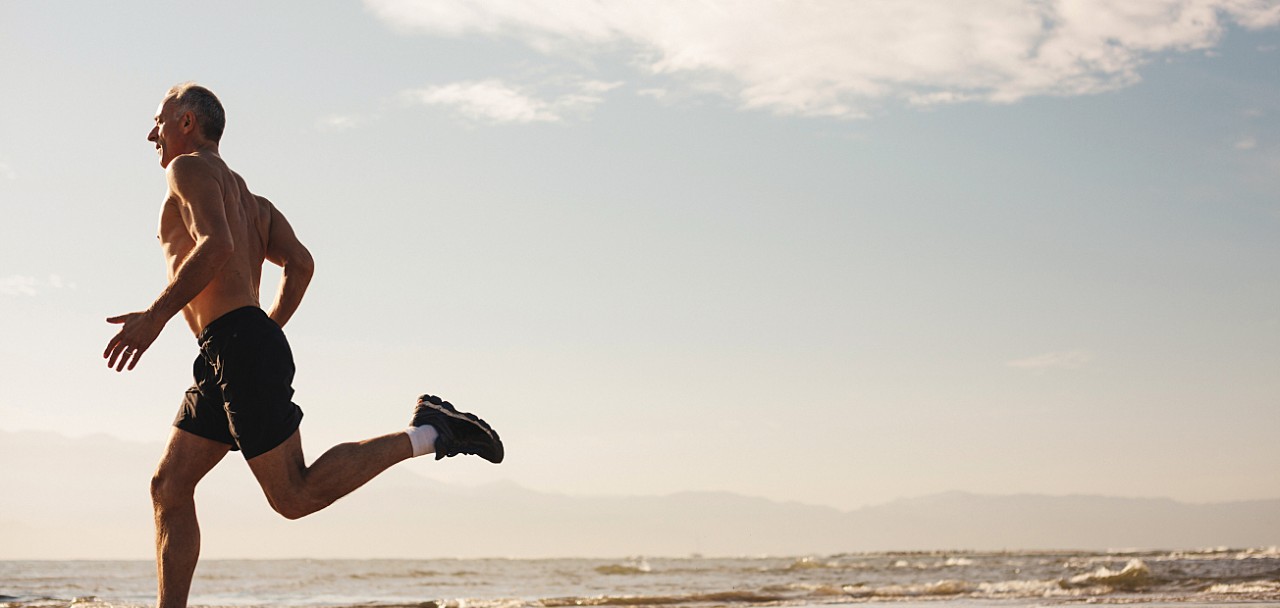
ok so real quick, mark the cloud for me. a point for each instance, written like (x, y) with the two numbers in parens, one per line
(495, 102)
(844, 57)
(1246, 143)
(19, 285)
(341, 122)
(7, 172)
(1067, 359)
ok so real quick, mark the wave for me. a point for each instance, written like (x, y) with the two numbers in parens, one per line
(411, 574)
(833, 563)
(813, 589)
(1249, 588)
(810, 563)
(426, 604)
(1272, 552)
(862, 563)
(1021, 589)
(724, 597)
(934, 589)
(1134, 577)
(636, 567)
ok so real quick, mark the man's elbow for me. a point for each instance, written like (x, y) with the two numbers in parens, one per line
(301, 265)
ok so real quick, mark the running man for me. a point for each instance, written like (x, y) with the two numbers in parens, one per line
(215, 235)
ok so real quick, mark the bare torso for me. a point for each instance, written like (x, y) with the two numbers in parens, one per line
(236, 283)
(215, 235)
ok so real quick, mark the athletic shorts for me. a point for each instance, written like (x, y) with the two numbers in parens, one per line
(243, 388)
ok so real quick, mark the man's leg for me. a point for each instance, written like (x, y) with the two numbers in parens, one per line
(296, 490)
(186, 460)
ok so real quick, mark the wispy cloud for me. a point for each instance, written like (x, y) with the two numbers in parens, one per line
(843, 57)
(493, 101)
(1066, 359)
(20, 285)
(7, 172)
(341, 122)
(1246, 143)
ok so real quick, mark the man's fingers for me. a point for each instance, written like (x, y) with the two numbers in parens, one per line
(125, 356)
(116, 343)
(113, 356)
(117, 350)
(124, 351)
(115, 340)
(117, 353)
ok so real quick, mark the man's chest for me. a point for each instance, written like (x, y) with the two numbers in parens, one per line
(174, 231)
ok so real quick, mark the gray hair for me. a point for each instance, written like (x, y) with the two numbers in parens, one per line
(191, 97)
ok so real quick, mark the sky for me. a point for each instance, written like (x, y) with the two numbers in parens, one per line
(833, 252)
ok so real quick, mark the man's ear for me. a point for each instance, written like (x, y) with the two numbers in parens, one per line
(188, 121)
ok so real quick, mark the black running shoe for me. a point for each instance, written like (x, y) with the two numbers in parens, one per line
(458, 432)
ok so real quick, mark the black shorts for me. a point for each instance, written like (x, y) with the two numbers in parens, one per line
(243, 395)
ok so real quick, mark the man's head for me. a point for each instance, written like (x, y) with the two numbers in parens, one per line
(190, 117)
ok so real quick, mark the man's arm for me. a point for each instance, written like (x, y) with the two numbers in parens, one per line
(199, 192)
(286, 251)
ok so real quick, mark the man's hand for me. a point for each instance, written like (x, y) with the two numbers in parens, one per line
(138, 330)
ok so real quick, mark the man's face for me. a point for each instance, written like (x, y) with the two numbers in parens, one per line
(170, 135)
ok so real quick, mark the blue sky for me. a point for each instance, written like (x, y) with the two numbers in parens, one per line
(834, 252)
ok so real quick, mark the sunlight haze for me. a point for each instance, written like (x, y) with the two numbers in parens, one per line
(835, 253)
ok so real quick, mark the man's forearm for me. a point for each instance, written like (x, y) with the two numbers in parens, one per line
(195, 273)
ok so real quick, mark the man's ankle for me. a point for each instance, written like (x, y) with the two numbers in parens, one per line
(423, 439)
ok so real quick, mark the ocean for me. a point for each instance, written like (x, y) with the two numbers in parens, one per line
(1011, 579)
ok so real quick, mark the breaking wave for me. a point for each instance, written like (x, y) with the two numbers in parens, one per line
(1135, 576)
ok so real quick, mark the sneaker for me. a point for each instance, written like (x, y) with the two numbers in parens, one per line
(458, 432)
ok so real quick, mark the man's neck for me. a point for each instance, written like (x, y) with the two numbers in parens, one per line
(206, 148)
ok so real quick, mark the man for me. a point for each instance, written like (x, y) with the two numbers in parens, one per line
(216, 234)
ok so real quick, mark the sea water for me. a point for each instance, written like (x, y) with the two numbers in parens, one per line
(1207, 577)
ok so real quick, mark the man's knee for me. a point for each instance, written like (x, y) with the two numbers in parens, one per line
(295, 504)
(186, 460)
(291, 497)
(167, 490)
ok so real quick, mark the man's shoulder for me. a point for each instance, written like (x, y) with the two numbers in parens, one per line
(187, 166)
(190, 170)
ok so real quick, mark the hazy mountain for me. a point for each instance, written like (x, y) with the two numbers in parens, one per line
(87, 498)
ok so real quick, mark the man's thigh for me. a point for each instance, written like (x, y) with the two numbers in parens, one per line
(280, 470)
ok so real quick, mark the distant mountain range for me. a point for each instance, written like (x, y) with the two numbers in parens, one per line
(66, 498)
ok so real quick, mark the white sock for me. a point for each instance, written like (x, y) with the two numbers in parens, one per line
(423, 439)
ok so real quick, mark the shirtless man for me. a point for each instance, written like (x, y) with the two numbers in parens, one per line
(216, 234)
